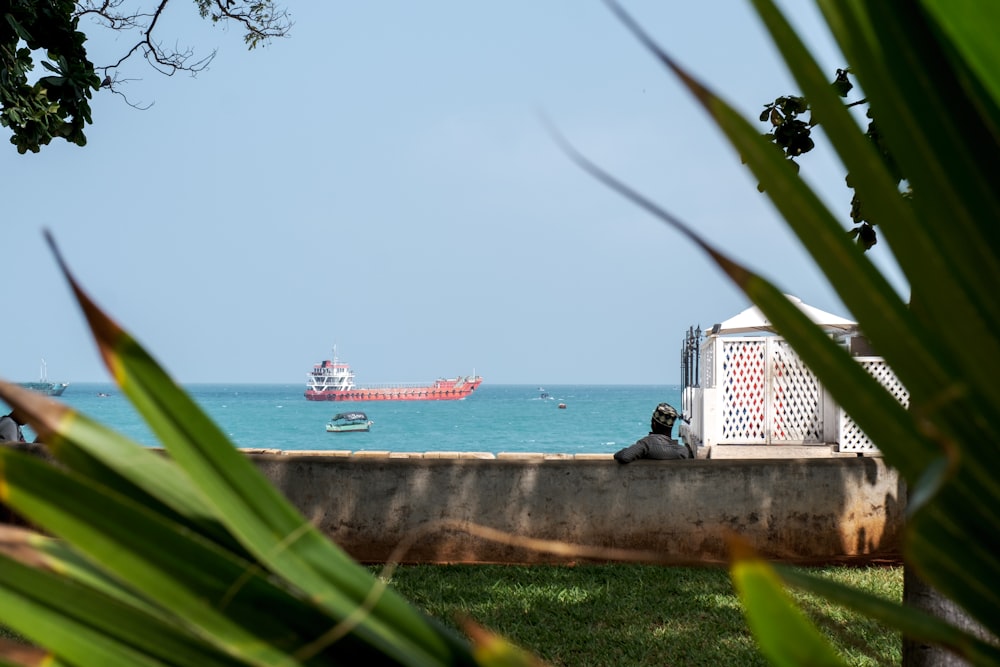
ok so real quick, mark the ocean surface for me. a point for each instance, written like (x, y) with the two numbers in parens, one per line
(496, 418)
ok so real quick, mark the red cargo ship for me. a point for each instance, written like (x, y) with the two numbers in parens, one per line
(334, 381)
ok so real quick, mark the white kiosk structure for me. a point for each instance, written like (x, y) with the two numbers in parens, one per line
(744, 385)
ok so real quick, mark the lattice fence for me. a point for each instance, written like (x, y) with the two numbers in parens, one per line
(757, 391)
(743, 391)
(708, 366)
(796, 398)
(852, 438)
(768, 395)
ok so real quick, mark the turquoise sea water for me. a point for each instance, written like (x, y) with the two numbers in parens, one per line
(496, 418)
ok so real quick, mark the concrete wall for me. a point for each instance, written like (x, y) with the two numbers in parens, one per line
(421, 509)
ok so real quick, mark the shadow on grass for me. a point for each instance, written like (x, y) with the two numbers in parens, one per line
(622, 614)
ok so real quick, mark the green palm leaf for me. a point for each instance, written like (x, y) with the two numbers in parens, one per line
(930, 76)
(914, 622)
(230, 600)
(86, 627)
(773, 617)
(188, 556)
(256, 513)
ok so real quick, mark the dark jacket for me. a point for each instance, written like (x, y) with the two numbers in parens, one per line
(10, 430)
(654, 446)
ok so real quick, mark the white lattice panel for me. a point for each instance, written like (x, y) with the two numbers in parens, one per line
(708, 365)
(795, 399)
(852, 438)
(743, 391)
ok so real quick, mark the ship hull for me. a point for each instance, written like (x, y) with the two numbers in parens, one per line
(393, 393)
(46, 388)
(333, 380)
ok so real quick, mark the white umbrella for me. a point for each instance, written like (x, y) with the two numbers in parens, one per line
(752, 320)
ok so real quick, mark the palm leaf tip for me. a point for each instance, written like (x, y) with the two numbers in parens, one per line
(492, 650)
(16, 653)
(109, 336)
(15, 542)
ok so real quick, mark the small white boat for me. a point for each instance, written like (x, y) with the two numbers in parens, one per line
(348, 422)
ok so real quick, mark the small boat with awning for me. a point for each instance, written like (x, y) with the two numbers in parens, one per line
(349, 422)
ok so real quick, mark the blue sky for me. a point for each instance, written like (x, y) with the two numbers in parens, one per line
(381, 180)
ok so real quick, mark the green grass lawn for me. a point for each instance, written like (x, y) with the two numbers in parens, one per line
(633, 615)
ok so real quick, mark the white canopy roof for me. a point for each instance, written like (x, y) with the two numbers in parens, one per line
(753, 321)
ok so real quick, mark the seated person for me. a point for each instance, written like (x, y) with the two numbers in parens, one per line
(658, 444)
(10, 427)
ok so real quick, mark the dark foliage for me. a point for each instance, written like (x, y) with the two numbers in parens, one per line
(56, 105)
(47, 32)
(792, 122)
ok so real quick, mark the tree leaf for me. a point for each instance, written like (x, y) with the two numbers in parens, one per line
(912, 622)
(87, 628)
(773, 617)
(260, 518)
(943, 345)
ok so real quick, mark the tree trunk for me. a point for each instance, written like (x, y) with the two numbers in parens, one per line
(920, 595)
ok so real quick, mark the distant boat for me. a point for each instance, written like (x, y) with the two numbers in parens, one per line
(43, 386)
(347, 422)
(334, 381)
(542, 393)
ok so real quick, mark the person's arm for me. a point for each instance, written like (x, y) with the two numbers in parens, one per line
(8, 429)
(632, 452)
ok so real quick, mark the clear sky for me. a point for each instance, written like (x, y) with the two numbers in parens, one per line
(381, 180)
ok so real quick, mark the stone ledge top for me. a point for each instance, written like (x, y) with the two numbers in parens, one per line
(385, 454)
(734, 452)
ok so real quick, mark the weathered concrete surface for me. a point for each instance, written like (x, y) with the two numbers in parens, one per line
(380, 506)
